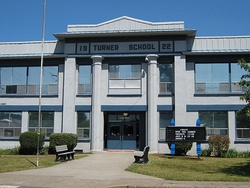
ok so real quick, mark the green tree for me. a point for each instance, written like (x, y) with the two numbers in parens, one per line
(245, 82)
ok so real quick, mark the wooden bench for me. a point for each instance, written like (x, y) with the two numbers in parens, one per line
(62, 152)
(142, 157)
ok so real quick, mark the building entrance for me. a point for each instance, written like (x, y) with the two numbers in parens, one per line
(121, 135)
(124, 131)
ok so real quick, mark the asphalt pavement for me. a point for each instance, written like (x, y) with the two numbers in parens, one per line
(101, 169)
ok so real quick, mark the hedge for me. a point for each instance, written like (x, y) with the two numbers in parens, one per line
(28, 142)
(57, 139)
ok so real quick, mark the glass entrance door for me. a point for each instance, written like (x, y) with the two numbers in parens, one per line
(122, 135)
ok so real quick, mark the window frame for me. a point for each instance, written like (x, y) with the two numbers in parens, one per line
(7, 129)
(43, 129)
(227, 87)
(83, 128)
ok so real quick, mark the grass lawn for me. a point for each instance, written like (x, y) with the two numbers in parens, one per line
(193, 169)
(11, 163)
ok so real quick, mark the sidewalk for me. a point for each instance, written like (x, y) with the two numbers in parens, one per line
(103, 169)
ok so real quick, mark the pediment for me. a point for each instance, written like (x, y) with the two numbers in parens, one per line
(125, 24)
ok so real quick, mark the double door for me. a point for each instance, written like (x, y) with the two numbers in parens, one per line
(121, 135)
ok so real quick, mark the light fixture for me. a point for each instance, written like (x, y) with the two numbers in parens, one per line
(125, 114)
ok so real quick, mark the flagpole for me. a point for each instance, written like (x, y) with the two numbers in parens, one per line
(41, 82)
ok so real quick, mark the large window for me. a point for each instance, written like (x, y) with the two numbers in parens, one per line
(26, 80)
(125, 79)
(10, 124)
(84, 79)
(166, 78)
(242, 125)
(165, 119)
(47, 122)
(83, 125)
(218, 78)
(216, 123)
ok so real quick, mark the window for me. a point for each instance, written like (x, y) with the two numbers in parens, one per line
(83, 125)
(166, 78)
(218, 78)
(216, 123)
(84, 79)
(13, 80)
(10, 124)
(165, 119)
(26, 80)
(236, 73)
(242, 125)
(125, 79)
(47, 122)
(124, 71)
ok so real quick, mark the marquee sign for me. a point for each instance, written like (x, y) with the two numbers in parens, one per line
(185, 133)
(125, 47)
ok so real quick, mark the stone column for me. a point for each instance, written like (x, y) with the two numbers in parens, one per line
(97, 126)
(153, 82)
(180, 95)
(69, 88)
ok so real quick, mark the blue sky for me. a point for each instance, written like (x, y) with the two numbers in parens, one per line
(21, 20)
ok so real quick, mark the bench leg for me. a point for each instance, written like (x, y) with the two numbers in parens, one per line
(137, 159)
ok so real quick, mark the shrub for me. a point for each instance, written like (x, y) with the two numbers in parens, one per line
(206, 152)
(232, 153)
(181, 148)
(10, 151)
(68, 139)
(28, 142)
(219, 144)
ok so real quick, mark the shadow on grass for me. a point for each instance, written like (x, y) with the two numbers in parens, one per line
(240, 169)
(31, 162)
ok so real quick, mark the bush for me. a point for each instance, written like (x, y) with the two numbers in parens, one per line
(57, 139)
(28, 142)
(219, 144)
(232, 153)
(181, 148)
(206, 152)
(12, 151)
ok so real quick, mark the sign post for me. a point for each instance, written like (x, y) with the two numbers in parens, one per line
(198, 144)
(186, 134)
(172, 123)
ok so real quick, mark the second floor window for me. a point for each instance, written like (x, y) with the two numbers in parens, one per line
(166, 78)
(125, 79)
(84, 79)
(26, 80)
(216, 78)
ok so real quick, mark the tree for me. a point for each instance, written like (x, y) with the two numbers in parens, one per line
(245, 82)
(243, 115)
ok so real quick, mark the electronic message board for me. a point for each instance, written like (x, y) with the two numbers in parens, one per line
(185, 133)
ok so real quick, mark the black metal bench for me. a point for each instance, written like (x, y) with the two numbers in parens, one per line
(62, 152)
(142, 157)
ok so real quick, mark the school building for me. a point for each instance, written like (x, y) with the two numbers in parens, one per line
(118, 84)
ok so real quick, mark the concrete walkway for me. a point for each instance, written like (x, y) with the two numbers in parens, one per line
(104, 169)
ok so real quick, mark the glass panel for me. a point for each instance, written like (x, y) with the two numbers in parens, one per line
(215, 122)
(47, 122)
(125, 71)
(212, 78)
(83, 124)
(236, 73)
(128, 130)
(10, 123)
(242, 125)
(114, 130)
(165, 119)
(84, 79)
(166, 78)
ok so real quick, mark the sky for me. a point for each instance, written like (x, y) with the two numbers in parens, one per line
(21, 20)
